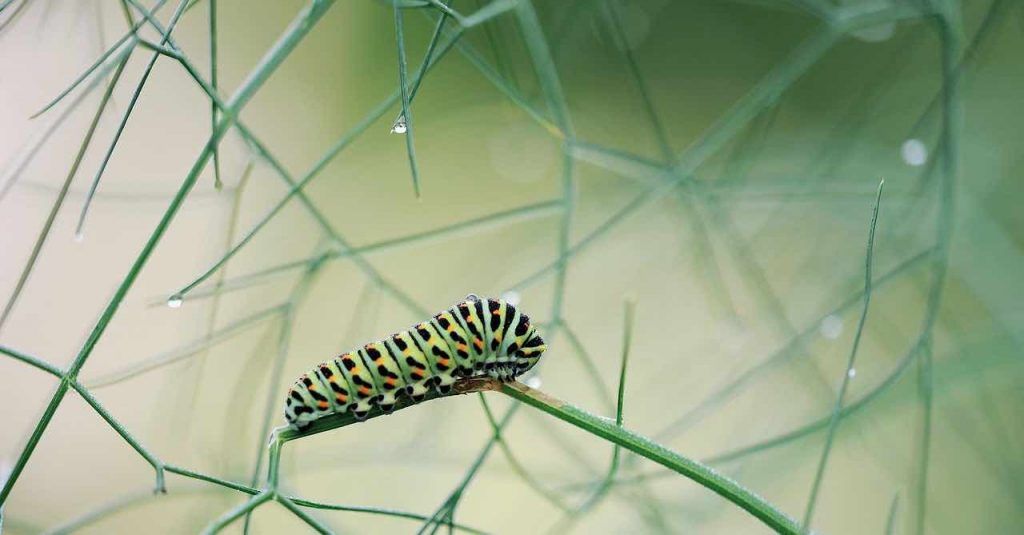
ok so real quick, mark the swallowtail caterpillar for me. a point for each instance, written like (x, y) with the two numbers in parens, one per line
(475, 338)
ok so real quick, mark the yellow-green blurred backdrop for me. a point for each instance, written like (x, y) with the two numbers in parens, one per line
(723, 160)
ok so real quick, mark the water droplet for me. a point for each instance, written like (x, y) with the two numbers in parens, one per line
(175, 301)
(876, 33)
(533, 382)
(399, 127)
(511, 297)
(79, 237)
(831, 327)
(914, 152)
(852, 373)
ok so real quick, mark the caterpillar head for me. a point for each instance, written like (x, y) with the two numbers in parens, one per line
(297, 408)
(529, 352)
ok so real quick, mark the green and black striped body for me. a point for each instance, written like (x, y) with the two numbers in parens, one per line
(475, 338)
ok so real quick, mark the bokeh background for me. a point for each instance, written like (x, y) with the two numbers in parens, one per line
(716, 163)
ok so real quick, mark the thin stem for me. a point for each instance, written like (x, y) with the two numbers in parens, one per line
(32, 361)
(421, 72)
(188, 350)
(610, 11)
(608, 480)
(301, 26)
(44, 233)
(120, 504)
(296, 187)
(890, 522)
(283, 342)
(129, 36)
(237, 512)
(948, 29)
(184, 472)
(96, 406)
(10, 177)
(728, 391)
(312, 522)
(702, 474)
(837, 408)
(447, 509)
(217, 183)
(124, 118)
(161, 487)
(517, 467)
(523, 213)
(406, 111)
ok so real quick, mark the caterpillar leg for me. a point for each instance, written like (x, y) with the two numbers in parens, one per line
(443, 383)
(386, 403)
(358, 412)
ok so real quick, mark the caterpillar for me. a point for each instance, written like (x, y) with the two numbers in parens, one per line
(474, 338)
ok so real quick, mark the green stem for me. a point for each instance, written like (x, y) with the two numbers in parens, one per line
(431, 46)
(406, 112)
(158, 466)
(313, 523)
(178, 354)
(301, 26)
(462, 228)
(184, 472)
(702, 474)
(96, 406)
(217, 183)
(44, 233)
(237, 512)
(608, 480)
(164, 37)
(552, 497)
(837, 408)
(129, 36)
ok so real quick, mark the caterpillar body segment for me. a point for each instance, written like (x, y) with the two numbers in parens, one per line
(340, 391)
(474, 338)
(386, 373)
(414, 363)
(438, 354)
(359, 377)
(457, 339)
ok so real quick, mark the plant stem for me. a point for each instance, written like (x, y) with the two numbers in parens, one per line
(301, 26)
(702, 474)
(837, 408)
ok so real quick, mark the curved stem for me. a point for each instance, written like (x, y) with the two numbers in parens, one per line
(640, 445)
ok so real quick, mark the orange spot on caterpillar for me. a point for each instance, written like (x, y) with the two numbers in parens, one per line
(478, 343)
(323, 405)
(341, 398)
(364, 390)
(389, 381)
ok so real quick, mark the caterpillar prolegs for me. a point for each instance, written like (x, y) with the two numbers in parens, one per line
(475, 338)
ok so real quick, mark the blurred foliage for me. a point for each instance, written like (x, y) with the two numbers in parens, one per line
(717, 162)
